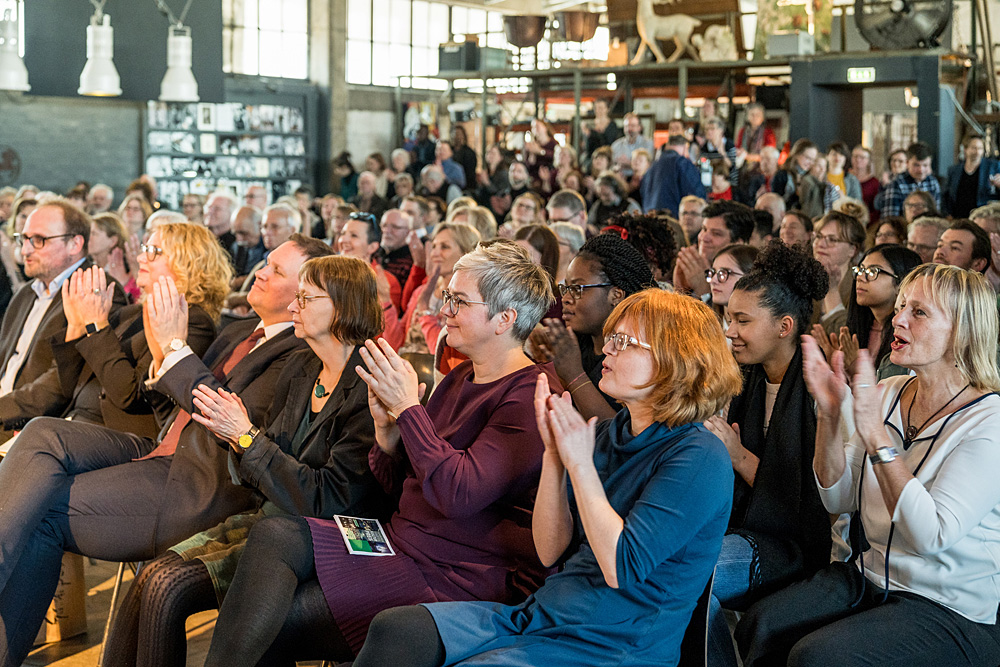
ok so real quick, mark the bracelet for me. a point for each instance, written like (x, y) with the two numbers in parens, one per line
(570, 383)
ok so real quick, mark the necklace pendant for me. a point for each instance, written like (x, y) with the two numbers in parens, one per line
(911, 432)
(320, 390)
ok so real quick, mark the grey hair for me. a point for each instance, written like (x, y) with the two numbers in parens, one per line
(400, 151)
(990, 211)
(714, 121)
(570, 233)
(938, 224)
(403, 178)
(292, 216)
(508, 279)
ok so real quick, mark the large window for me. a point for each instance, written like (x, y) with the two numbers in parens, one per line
(395, 42)
(266, 37)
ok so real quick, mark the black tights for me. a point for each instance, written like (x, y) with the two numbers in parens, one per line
(402, 636)
(149, 628)
(275, 612)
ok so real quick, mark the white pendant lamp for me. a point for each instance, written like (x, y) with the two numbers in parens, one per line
(179, 84)
(99, 77)
(13, 73)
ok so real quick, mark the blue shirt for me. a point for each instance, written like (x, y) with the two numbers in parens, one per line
(668, 180)
(673, 488)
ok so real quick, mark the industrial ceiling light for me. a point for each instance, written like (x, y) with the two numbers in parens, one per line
(99, 77)
(13, 73)
(179, 84)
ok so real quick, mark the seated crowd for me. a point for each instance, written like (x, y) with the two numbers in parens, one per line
(553, 389)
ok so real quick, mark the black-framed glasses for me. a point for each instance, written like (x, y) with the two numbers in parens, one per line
(304, 298)
(576, 291)
(623, 340)
(870, 273)
(37, 241)
(721, 274)
(827, 239)
(363, 217)
(454, 302)
(151, 251)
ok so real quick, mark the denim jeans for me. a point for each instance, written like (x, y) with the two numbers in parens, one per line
(732, 580)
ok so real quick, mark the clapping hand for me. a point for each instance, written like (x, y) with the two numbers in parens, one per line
(827, 382)
(729, 434)
(689, 271)
(557, 342)
(390, 377)
(417, 250)
(564, 428)
(165, 314)
(868, 403)
(222, 413)
(87, 299)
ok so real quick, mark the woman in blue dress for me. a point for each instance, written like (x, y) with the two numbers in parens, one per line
(632, 509)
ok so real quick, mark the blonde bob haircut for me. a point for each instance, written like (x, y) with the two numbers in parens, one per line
(350, 283)
(466, 236)
(201, 265)
(972, 305)
(694, 373)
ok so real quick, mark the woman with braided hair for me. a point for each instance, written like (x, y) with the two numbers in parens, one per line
(653, 236)
(606, 270)
(779, 531)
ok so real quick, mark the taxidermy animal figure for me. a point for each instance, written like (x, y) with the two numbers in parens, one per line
(652, 26)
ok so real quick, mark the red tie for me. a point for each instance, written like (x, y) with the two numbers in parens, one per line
(168, 445)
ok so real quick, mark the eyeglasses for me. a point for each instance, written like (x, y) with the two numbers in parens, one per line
(37, 241)
(721, 274)
(304, 298)
(364, 217)
(915, 205)
(870, 273)
(576, 291)
(454, 303)
(623, 340)
(823, 239)
(151, 251)
(920, 248)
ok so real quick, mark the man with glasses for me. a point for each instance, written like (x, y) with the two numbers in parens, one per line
(922, 237)
(568, 206)
(249, 248)
(256, 196)
(53, 245)
(918, 176)
(395, 256)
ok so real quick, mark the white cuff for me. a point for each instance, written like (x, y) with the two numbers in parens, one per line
(169, 362)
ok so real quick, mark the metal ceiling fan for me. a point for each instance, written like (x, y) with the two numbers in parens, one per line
(902, 24)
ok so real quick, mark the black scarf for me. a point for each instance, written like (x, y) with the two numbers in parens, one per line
(782, 514)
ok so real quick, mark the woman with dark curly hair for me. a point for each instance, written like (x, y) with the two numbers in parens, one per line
(612, 199)
(606, 270)
(778, 529)
(891, 229)
(653, 236)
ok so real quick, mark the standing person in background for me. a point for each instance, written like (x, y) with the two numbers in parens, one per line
(918, 176)
(837, 241)
(375, 163)
(972, 183)
(603, 131)
(838, 173)
(719, 147)
(862, 169)
(633, 140)
(671, 179)
(463, 154)
(343, 169)
(540, 151)
(754, 134)
(492, 178)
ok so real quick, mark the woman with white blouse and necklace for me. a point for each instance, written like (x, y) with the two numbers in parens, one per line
(920, 476)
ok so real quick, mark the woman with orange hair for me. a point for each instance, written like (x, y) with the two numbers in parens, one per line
(637, 527)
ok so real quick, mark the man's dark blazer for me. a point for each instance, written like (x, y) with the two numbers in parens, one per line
(327, 473)
(199, 489)
(105, 373)
(37, 390)
(988, 168)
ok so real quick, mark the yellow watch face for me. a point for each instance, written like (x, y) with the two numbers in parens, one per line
(245, 440)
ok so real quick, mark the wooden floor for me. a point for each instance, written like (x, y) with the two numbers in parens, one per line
(83, 650)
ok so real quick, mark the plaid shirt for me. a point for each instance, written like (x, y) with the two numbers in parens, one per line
(904, 184)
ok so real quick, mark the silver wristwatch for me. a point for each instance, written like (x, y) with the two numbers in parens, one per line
(883, 455)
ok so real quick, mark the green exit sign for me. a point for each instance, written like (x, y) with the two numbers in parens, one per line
(860, 74)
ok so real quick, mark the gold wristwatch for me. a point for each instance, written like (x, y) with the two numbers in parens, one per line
(246, 439)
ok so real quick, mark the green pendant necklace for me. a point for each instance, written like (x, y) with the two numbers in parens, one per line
(320, 391)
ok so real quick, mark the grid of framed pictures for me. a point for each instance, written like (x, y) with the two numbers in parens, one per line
(197, 148)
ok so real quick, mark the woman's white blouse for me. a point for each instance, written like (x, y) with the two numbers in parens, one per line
(946, 545)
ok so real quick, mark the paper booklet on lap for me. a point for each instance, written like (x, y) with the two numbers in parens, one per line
(363, 537)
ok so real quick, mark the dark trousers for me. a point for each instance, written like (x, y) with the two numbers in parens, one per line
(812, 623)
(74, 487)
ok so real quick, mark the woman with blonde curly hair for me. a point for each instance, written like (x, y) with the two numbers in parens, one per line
(115, 346)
